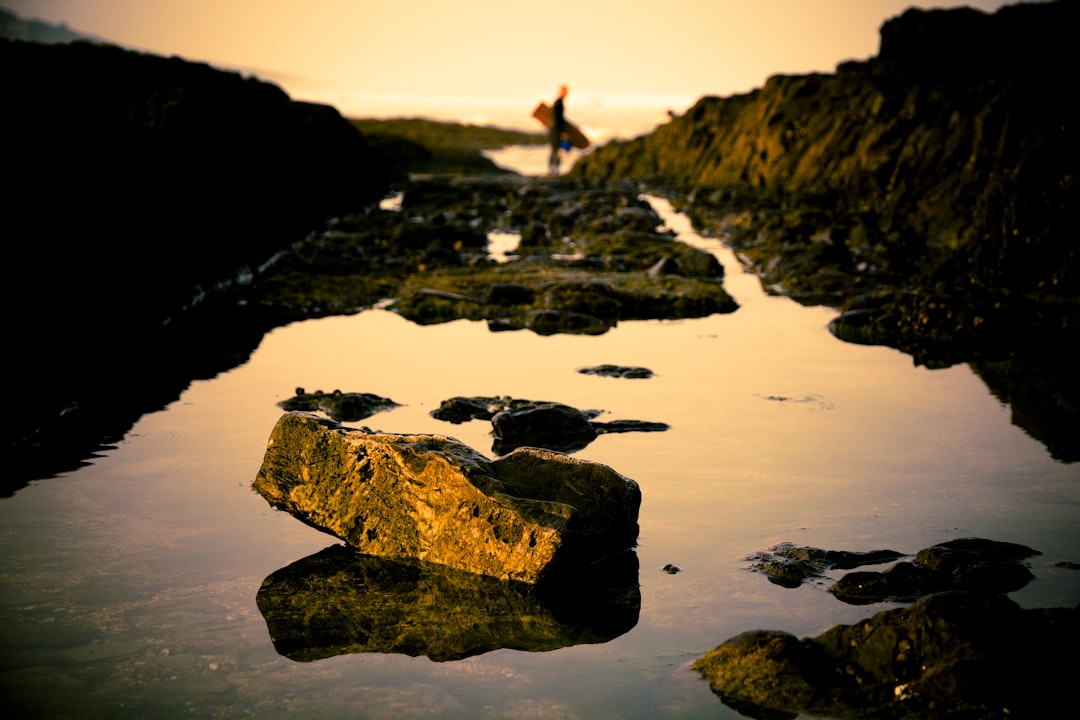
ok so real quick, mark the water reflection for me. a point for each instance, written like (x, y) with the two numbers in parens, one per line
(340, 602)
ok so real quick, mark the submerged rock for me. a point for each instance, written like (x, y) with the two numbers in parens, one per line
(529, 423)
(343, 407)
(617, 371)
(952, 654)
(972, 564)
(544, 424)
(965, 564)
(789, 565)
(339, 602)
(529, 516)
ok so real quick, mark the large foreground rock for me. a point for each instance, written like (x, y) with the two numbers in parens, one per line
(953, 654)
(528, 516)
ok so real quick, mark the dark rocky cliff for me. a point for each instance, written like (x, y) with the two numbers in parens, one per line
(948, 158)
(135, 185)
(928, 193)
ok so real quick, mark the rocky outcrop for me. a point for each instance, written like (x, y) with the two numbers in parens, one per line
(928, 193)
(529, 516)
(953, 654)
(138, 185)
(583, 263)
(947, 159)
(339, 602)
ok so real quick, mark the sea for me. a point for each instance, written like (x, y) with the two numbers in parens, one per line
(603, 118)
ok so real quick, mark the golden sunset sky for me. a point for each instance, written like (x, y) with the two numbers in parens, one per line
(666, 52)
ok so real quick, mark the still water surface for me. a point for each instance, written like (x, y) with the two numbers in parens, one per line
(129, 586)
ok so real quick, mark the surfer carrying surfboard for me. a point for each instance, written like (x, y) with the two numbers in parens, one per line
(556, 130)
(562, 134)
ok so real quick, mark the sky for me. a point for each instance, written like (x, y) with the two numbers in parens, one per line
(358, 54)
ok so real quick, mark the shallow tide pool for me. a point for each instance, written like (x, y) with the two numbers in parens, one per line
(129, 586)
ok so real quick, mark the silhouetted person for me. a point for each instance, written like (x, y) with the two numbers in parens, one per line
(556, 131)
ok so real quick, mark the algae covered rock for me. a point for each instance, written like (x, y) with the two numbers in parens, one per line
(528, 516)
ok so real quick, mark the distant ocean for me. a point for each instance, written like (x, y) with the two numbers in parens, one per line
(602, 119)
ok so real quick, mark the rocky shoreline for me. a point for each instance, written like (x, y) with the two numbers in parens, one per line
(828, 202)
(928, 195)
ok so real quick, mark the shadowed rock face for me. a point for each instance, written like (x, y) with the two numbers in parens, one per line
(138, 186)
(529, 516)
(339, 602)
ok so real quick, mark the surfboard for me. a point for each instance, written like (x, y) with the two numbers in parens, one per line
(576, 137)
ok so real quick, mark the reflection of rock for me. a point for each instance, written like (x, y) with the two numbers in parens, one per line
(954, 654)
(338, 602)
(343, 407)
(530, 516)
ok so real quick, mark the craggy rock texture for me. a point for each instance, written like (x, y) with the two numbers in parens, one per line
(928, 193)
(343, 407)
(339, 602)
(952, 654)
(528, 516)
(583, 263)
(951, 153)
(138, 186)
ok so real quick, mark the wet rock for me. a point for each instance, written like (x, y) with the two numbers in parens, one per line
(624, 426)
(965, 564)
(343, 407)
(619, 371)
(339, 602)
(789, 565)
(463, 409)
(529, 423)
(530, 516)
(543, 424)
(951, 654)
(971, 564)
